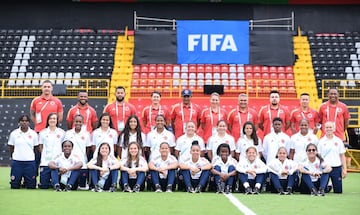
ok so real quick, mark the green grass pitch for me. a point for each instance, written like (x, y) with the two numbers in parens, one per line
(13, 202)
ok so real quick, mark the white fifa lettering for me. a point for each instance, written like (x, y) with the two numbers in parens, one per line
(224, 43)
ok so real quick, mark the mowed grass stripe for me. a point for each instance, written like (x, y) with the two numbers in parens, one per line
(87, 203)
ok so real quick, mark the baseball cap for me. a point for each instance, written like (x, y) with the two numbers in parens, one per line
(186, 93)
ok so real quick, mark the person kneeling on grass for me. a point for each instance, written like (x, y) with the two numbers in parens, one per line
(315, 172)
(104, 169)
(251, 171)
(162, 169)
(66, 168)
(133, 169)
(282, 172)
(195, 170)
(224, 169)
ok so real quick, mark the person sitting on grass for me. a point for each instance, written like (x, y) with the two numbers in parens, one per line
(315, 172)
(104, 169)
(282, 172)
(224, 169)
(251, 171)
(195, 170)
(133, 169)
(162, 169)
(65, 168)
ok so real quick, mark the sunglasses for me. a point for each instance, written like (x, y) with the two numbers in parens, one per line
(311, 150)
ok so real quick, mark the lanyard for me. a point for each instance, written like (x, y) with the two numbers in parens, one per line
(211, 116)
(150, 118)
(43, 107)
(87, 115)
(278, 115)
(117, 111)
(328, 112)
(182, 112)
(240, 121)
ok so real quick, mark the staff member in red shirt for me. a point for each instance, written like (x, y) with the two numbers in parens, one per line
(335, 111)
(84, 109)
(184, 112)
(43, 105)
(119, 110)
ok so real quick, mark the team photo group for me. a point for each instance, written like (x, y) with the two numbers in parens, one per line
(185, 147)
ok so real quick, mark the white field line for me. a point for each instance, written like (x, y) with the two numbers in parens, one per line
(239, 205)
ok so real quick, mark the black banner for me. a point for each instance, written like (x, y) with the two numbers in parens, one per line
(271, 48)
(155, 47)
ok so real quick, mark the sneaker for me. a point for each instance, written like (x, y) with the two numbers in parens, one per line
(98, 189)
(198, 189)
(169, 188)
(112, 188)
(84, 188)
(190, 190)
(321, 192)
(281, 191)
(256, 191)
(227, 189)
(289, 191)
(158, 188)
(57, 188)
(220, 188)
(314, 192)
(127, 188)
(68, 188)
(248, 190)
(136, 188)
(328, 188)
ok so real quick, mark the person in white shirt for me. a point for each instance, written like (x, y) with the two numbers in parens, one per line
(218, 138)
(251, 171)
(131, 133)
(332, 149)
(104, 169)
(23, 143)
(82, 147)
(249, 138)
(156, 137)
(133, 169)
(282, 171)
(65, 168)
(315, 172)
(274, 140)
(50, 139)
(104, 133)
(195, 170)
(224, 169)
(300, 140)
(162, 169)
(184, 142)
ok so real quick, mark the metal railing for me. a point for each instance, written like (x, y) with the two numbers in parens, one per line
(151, 23)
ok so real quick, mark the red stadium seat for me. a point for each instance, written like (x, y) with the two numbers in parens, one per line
(248, 69)
(136, 75)
(200, 68)
(151, 75)
(273, 69)
(256, 69)
(144, 68)
(160, 68)
(216, 68)
(281, 76)
(136, 68)
(265, 76)
(264, 69)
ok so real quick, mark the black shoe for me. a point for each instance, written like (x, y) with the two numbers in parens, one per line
(198, 189)
(281, 191)
(314, 192)
(227, 189)
(57, 188)
(256, 191)
(98, 189)
(328, 188)
(68, 188)
(112, 188)
(248, 190)
(136, 188)
(169, 188)
(127, 188)
(321, 192)
(190, 190)
(289, 191)
(158, 188)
